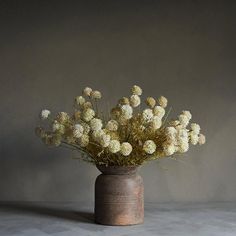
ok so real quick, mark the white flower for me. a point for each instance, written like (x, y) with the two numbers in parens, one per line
(87, 91)
(80, 100)
(86, 105)
(125, 148)
(84, 140)
(78, 131)
(202, 139)
(147, 115)
(112, 125)
(134, 100)
(169, 149)
(95, 124)
(96, 94)
(188, 114)
(97, 134)
(136, 90)
(183, 147)
(44, 114)
(151, 102)
(88, 114)
(193, 138)
(114, 146)
(159, 111)
(105, 140)
(171, 134)
(126, 111)
(184, 120)
(155, 122)
(62, 117)
(56, 126)
(170, 130)
(195, 128)
(149, 147)
(86, 128)
(162, 101)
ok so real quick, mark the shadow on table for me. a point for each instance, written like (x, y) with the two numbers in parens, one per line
(35, 209)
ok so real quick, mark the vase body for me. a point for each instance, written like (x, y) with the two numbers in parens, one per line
(119, 196)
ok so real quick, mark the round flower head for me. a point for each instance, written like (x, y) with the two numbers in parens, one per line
(124, 101)
(84, 140)
(147, 115)
(201, 139)
(96, 94)
(44, 114)
(188, 114)
(151, 102)
(105, 140)
(98, 134)
(149, 147)
(195, 128)
(159, 111)
(77, 115)
(78, 131)
(134, 100)
(126, 111)
(80, 100)
(171, 134)
(62, 117)
(114, 146)
(87, 105)
(155, 122)
(88, 114)
(183, 147)
(136, 90)
(95, 124)
(169, 150)
(86, 128)
(87, 91)
(193, 138)
(125, 149)
(56, 126)
(162, 101)
(184, 120)
(112, 125)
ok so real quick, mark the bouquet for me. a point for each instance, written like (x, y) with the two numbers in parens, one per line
(126, 136)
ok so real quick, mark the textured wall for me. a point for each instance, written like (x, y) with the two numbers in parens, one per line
(184, 51)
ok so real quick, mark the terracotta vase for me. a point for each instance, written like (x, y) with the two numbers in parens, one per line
(119, 196)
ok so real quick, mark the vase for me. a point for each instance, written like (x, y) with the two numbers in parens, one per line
(119, 196)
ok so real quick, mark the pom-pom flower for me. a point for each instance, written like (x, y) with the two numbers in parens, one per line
(124, 136)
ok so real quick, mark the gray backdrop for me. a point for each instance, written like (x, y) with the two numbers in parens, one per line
(184, 50)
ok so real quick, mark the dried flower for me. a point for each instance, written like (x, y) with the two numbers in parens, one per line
(78, 131)
(155, 122)
(44, 114)
(87, 91)
(202, 139)
(96, 94)
(114, 146)
(151, 102)
(98, 134)
(124, 101)
(105, 140)
(159, 111)
(195, 128)
(136, 90)
(126, 111)
(193, 138)
(125, 149)
(184, 120)
(147, 115)
(88, 114)
(149, 147)
(112, 125)
(62, 117)
(86, 128)
(134, 100)
(188, 114)
(169, 149)
(87, 105)
(84, 140)
(80, 100)
(183, 147)
(95, 124)
(162, 101)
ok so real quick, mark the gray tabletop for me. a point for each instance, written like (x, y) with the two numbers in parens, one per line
(73, 218)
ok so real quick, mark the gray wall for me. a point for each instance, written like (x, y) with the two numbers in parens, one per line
(49, 52)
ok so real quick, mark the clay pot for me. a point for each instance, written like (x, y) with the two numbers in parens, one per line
(119, 196)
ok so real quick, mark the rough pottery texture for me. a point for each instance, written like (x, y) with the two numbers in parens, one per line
(119, 196)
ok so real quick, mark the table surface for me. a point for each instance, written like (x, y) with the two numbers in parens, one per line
(73, 218)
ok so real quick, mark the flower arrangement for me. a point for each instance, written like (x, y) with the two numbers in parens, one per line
(128, 136)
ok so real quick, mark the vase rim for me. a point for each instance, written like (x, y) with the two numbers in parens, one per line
(118, 170)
